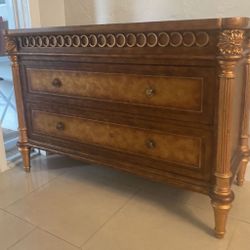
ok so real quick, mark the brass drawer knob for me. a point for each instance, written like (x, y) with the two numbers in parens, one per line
(60, 126)
(57, 83)
(150, 92)
(150, 144)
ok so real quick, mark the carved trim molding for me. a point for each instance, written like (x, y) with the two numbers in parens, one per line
(231, 43)
(120, 40)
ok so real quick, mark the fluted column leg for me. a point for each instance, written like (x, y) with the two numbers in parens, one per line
(230, 48)
(245, 125)
(11, 48)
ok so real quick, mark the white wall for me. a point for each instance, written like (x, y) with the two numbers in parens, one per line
(34, 8)
(52, 12)
(75, 12)
(215, 8)
(80, 11)
(45, 13)
(110, 11)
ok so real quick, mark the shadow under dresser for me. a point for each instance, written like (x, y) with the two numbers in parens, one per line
(165, 100)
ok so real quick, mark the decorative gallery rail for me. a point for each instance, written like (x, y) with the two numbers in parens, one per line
(152, 39)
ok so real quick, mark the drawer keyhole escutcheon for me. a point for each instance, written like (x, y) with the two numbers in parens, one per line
(60, 126)
(57, 83)
(150, 144)
(150, 91)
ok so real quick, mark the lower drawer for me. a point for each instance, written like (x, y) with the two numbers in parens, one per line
(173, 148)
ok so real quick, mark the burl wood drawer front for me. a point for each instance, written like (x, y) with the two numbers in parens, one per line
(178, 149)
(181, 93)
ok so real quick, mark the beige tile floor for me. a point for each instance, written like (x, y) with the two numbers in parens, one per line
(65, 204)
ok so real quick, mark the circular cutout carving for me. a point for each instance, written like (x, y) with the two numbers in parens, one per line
(76, 41)
(176, 39)
(60, 41)
(102, 41)
(188, 39)
(67, 41)
(92, 40)
(202, 39)
(131, 40)
(26, 41)
(163, 39)
(32, 41)
(152, 40)
(20, 41)
(45, 40)
(84, 41)
(39, 41)
(141, 40)
(120, 40)
(111, 40)
(53, 41)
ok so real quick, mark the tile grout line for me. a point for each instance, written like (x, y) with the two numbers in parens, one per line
(20, 218)
(34, 190)
(39, 227)
(26, 235)
(241, 220)
(231, 238)
(5, 209)
(58, 237)
(133, 195)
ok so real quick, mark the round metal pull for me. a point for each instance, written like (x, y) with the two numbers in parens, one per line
(57, 83)
(150, 144)
(150, 92)
(60, 126)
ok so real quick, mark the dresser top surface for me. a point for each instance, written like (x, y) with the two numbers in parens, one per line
(196, 24)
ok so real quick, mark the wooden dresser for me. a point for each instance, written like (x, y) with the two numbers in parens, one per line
(165, 100)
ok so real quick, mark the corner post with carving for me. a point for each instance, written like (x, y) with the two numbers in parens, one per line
(245, 123)
(11, 49)
(230, 48)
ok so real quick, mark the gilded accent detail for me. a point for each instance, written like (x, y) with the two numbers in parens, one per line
(10, 45)
(120, 40)
(230, 42)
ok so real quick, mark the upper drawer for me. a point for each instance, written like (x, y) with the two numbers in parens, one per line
(157, 93)
(171, 92)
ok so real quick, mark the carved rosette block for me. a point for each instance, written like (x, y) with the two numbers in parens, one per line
(230, 47)
(230, 43)
(11, 49)
(10, 45)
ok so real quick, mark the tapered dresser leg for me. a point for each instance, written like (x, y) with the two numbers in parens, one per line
(241, 174)
(245, 123)
(11, 48)
(25, 151)
(230, 48)
(220, 214)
